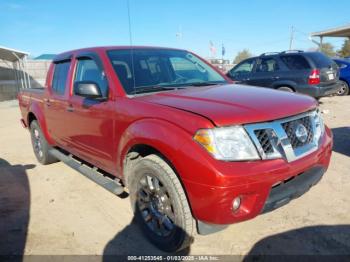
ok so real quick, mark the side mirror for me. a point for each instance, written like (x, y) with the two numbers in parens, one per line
(230, 75)
(87, 89)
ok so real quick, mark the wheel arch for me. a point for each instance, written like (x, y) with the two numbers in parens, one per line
(35, 113)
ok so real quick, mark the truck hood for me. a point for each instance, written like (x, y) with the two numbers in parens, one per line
(234, 104)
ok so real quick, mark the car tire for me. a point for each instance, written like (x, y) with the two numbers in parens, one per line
(40, 146)
(344, 91)
(286, 89)
(160, 204)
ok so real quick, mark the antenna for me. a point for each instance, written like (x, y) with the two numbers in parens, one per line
(131, 46)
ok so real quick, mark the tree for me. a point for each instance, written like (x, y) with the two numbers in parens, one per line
(244, 54)
(345, 50)
(328, 49)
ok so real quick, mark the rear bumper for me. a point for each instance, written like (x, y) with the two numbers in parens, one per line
(262, 186)
(318, 91)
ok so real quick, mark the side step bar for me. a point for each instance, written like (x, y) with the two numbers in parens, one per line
(91, 173)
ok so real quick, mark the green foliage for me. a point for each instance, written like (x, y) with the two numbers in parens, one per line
(345, 50)
(244, 54)
(328, 49)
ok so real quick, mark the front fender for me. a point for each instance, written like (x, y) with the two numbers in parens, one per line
(172, 141)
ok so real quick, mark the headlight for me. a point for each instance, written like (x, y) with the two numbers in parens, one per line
(319, 125)
(227, 143)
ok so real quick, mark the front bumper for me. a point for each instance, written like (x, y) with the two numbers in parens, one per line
(282, 193)
(262, 186)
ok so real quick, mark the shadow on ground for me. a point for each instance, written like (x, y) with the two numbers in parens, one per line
(14, 207)
(132, 241)
(342, 140)
(314, 240)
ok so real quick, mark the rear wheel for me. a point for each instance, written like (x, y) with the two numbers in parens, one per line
(344, 90)
(160, 204)
(285, 88)
(40, 146)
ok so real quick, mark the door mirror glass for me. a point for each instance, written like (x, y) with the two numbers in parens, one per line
(87, 89)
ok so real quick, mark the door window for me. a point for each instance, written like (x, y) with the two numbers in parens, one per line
(245, 67)
(88, 70)
(267, 65)
(60, 77)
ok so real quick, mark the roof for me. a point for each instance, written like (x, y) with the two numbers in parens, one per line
(45, 57)
(107, 48)
(343, 31)
(11, 55)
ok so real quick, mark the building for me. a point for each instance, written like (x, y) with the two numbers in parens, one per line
(17, 72)
(224, 65)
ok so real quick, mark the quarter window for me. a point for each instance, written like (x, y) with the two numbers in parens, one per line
(60, 77)
(295, 62)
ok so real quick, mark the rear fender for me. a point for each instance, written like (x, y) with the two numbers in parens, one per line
(39, 115)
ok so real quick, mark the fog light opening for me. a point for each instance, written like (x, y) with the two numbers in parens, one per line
(236, 203)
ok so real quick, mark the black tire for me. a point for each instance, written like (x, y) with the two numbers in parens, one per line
(40, 146)
(344, 91)
(170, 225)
(286, 89)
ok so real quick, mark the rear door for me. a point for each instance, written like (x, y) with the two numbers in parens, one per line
(243, 71)
(296, 68)
(265, 72)
(56, 103)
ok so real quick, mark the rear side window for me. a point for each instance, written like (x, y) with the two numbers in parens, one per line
(320, 60)
(295, 62)
(267, 65)
(60, 77)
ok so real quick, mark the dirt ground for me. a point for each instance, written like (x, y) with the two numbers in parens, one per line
(54, 210)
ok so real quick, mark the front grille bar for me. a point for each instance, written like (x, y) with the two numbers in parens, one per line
(279, 142)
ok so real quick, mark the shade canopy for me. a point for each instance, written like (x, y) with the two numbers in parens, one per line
(11, 55)
(343, 31)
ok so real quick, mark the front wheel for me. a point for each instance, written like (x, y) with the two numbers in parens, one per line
(160, 204)
(344, 90)
(285, 88)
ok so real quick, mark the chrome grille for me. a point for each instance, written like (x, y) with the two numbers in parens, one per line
(290, 129)
(264, 140)
(276, 139)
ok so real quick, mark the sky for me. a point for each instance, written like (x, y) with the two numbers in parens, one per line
(39, 26)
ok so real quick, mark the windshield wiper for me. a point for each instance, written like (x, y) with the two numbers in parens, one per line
(204, 83)
(146, 89)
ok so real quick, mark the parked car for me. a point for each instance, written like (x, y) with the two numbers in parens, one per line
(344, 65)
(310, 73)
(194, 151)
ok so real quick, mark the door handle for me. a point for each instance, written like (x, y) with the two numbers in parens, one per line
(276, 77)
(70, 108)
(47, 102)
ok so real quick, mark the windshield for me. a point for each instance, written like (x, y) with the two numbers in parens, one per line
(154, 69)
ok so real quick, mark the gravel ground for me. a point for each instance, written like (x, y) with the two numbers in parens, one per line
(53, 210)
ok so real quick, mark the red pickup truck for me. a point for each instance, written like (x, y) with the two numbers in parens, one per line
(194, 151)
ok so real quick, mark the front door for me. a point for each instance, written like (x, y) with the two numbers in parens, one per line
(241, 73)
(91, 121)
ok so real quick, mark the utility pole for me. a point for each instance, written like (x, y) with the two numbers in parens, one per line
(291, 38)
